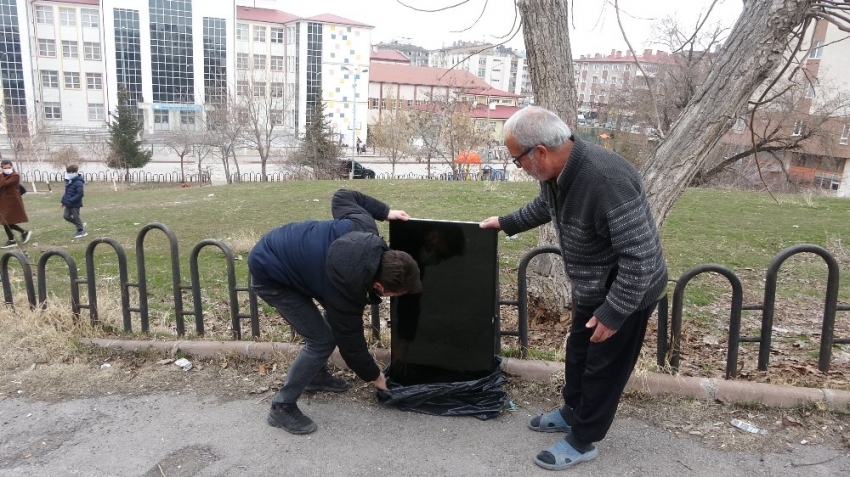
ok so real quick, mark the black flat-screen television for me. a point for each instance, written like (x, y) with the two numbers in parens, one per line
(448, 332)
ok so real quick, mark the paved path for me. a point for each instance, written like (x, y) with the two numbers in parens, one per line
(180, 435)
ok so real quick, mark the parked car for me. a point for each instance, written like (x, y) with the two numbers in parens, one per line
(360, 172)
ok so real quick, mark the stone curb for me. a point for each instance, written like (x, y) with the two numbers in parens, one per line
(708, 389)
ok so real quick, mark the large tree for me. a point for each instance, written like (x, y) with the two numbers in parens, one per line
(126, 151)
(766, 34)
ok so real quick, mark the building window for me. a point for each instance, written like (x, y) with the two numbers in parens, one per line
(160, 120)
(91, 18)
(845, 134)
(277, 117)
(740, 123)
(817, 50)
(810, 90)
(290, 35)
(49, 79)
(243, 88)
(46, 48)
(242, 31)
(259, 62)
(94, 81)
(187, 120)
(277, 63)
(44, 15)
(52, 111)
(799, 128)
(128, 56)
(72, 80)
(172, 61)
(481, 72)
(242, 61)
(277, 35)
(259, 90)
(91, 51)
(96, 112)
(215, 60)
(68, 16)
(70, 49)
(259, 33)
(276, 90)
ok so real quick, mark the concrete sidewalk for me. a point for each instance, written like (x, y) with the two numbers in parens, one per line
(174, 434)
(712, 390)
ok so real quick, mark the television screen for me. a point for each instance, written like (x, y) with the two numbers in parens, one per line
(448, 332)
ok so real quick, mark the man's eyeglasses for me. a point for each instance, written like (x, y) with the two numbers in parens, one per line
(518, 159)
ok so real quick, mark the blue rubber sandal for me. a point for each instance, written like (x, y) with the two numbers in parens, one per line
(562, 455)
(552, 421)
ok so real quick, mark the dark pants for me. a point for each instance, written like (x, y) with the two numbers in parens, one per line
(304, 317)
(597, 373)
(72, 214)
(9, 228)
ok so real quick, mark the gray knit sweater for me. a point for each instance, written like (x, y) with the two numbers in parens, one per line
(608, 238)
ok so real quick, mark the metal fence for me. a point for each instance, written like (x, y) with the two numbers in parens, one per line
(668, 350)
(668, 347)
(205, 177)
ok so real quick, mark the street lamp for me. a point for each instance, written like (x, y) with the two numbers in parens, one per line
(354, 72)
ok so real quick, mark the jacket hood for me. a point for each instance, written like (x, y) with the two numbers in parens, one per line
(352, 262)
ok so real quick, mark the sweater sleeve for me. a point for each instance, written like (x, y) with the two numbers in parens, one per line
(635, 242)
(531, 215)
(361, 209)
(347, 328)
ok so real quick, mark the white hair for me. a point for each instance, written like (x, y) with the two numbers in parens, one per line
(535, 126)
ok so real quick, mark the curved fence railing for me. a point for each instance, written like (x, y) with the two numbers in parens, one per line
(669, 348)
(670, 318)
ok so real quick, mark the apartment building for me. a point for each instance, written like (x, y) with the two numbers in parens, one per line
(598, 77)
(500, 67)
(63, 63)
(417, 55)
(813, 115)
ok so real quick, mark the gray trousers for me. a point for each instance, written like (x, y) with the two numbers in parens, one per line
(304, 317)
(72, 214)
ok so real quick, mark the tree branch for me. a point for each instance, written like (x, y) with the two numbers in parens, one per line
(432, 11)
(640, 67)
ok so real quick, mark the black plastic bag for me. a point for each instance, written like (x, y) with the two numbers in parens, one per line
(482, 398)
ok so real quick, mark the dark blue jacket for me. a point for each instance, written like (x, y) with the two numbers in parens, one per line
(333, 261)
(73, 197)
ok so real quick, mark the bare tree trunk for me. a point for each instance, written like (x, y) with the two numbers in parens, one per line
(547, 41)
(754, 50)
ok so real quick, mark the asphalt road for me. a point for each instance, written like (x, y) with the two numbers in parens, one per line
(180, 435)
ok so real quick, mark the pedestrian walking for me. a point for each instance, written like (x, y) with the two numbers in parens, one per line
(72, 200)
(12, 210)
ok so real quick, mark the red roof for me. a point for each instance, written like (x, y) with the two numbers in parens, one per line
(331, 18)
(389, 55)
(423, 76)
(264, 15)
(501, 112)
(494, 92)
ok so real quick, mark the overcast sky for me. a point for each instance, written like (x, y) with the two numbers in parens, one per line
(592, 30)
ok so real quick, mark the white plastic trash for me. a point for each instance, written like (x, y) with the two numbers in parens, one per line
(184, 363)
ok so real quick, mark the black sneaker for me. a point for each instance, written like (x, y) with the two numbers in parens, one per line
(26, 236)
(290, 418)
(325, 381)
(9, 244)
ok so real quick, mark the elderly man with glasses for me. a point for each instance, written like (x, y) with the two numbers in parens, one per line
(612, 254)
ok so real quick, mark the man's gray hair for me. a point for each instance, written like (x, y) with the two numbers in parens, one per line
(533, 125)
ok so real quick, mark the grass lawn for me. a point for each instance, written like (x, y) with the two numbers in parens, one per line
(740, 230)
